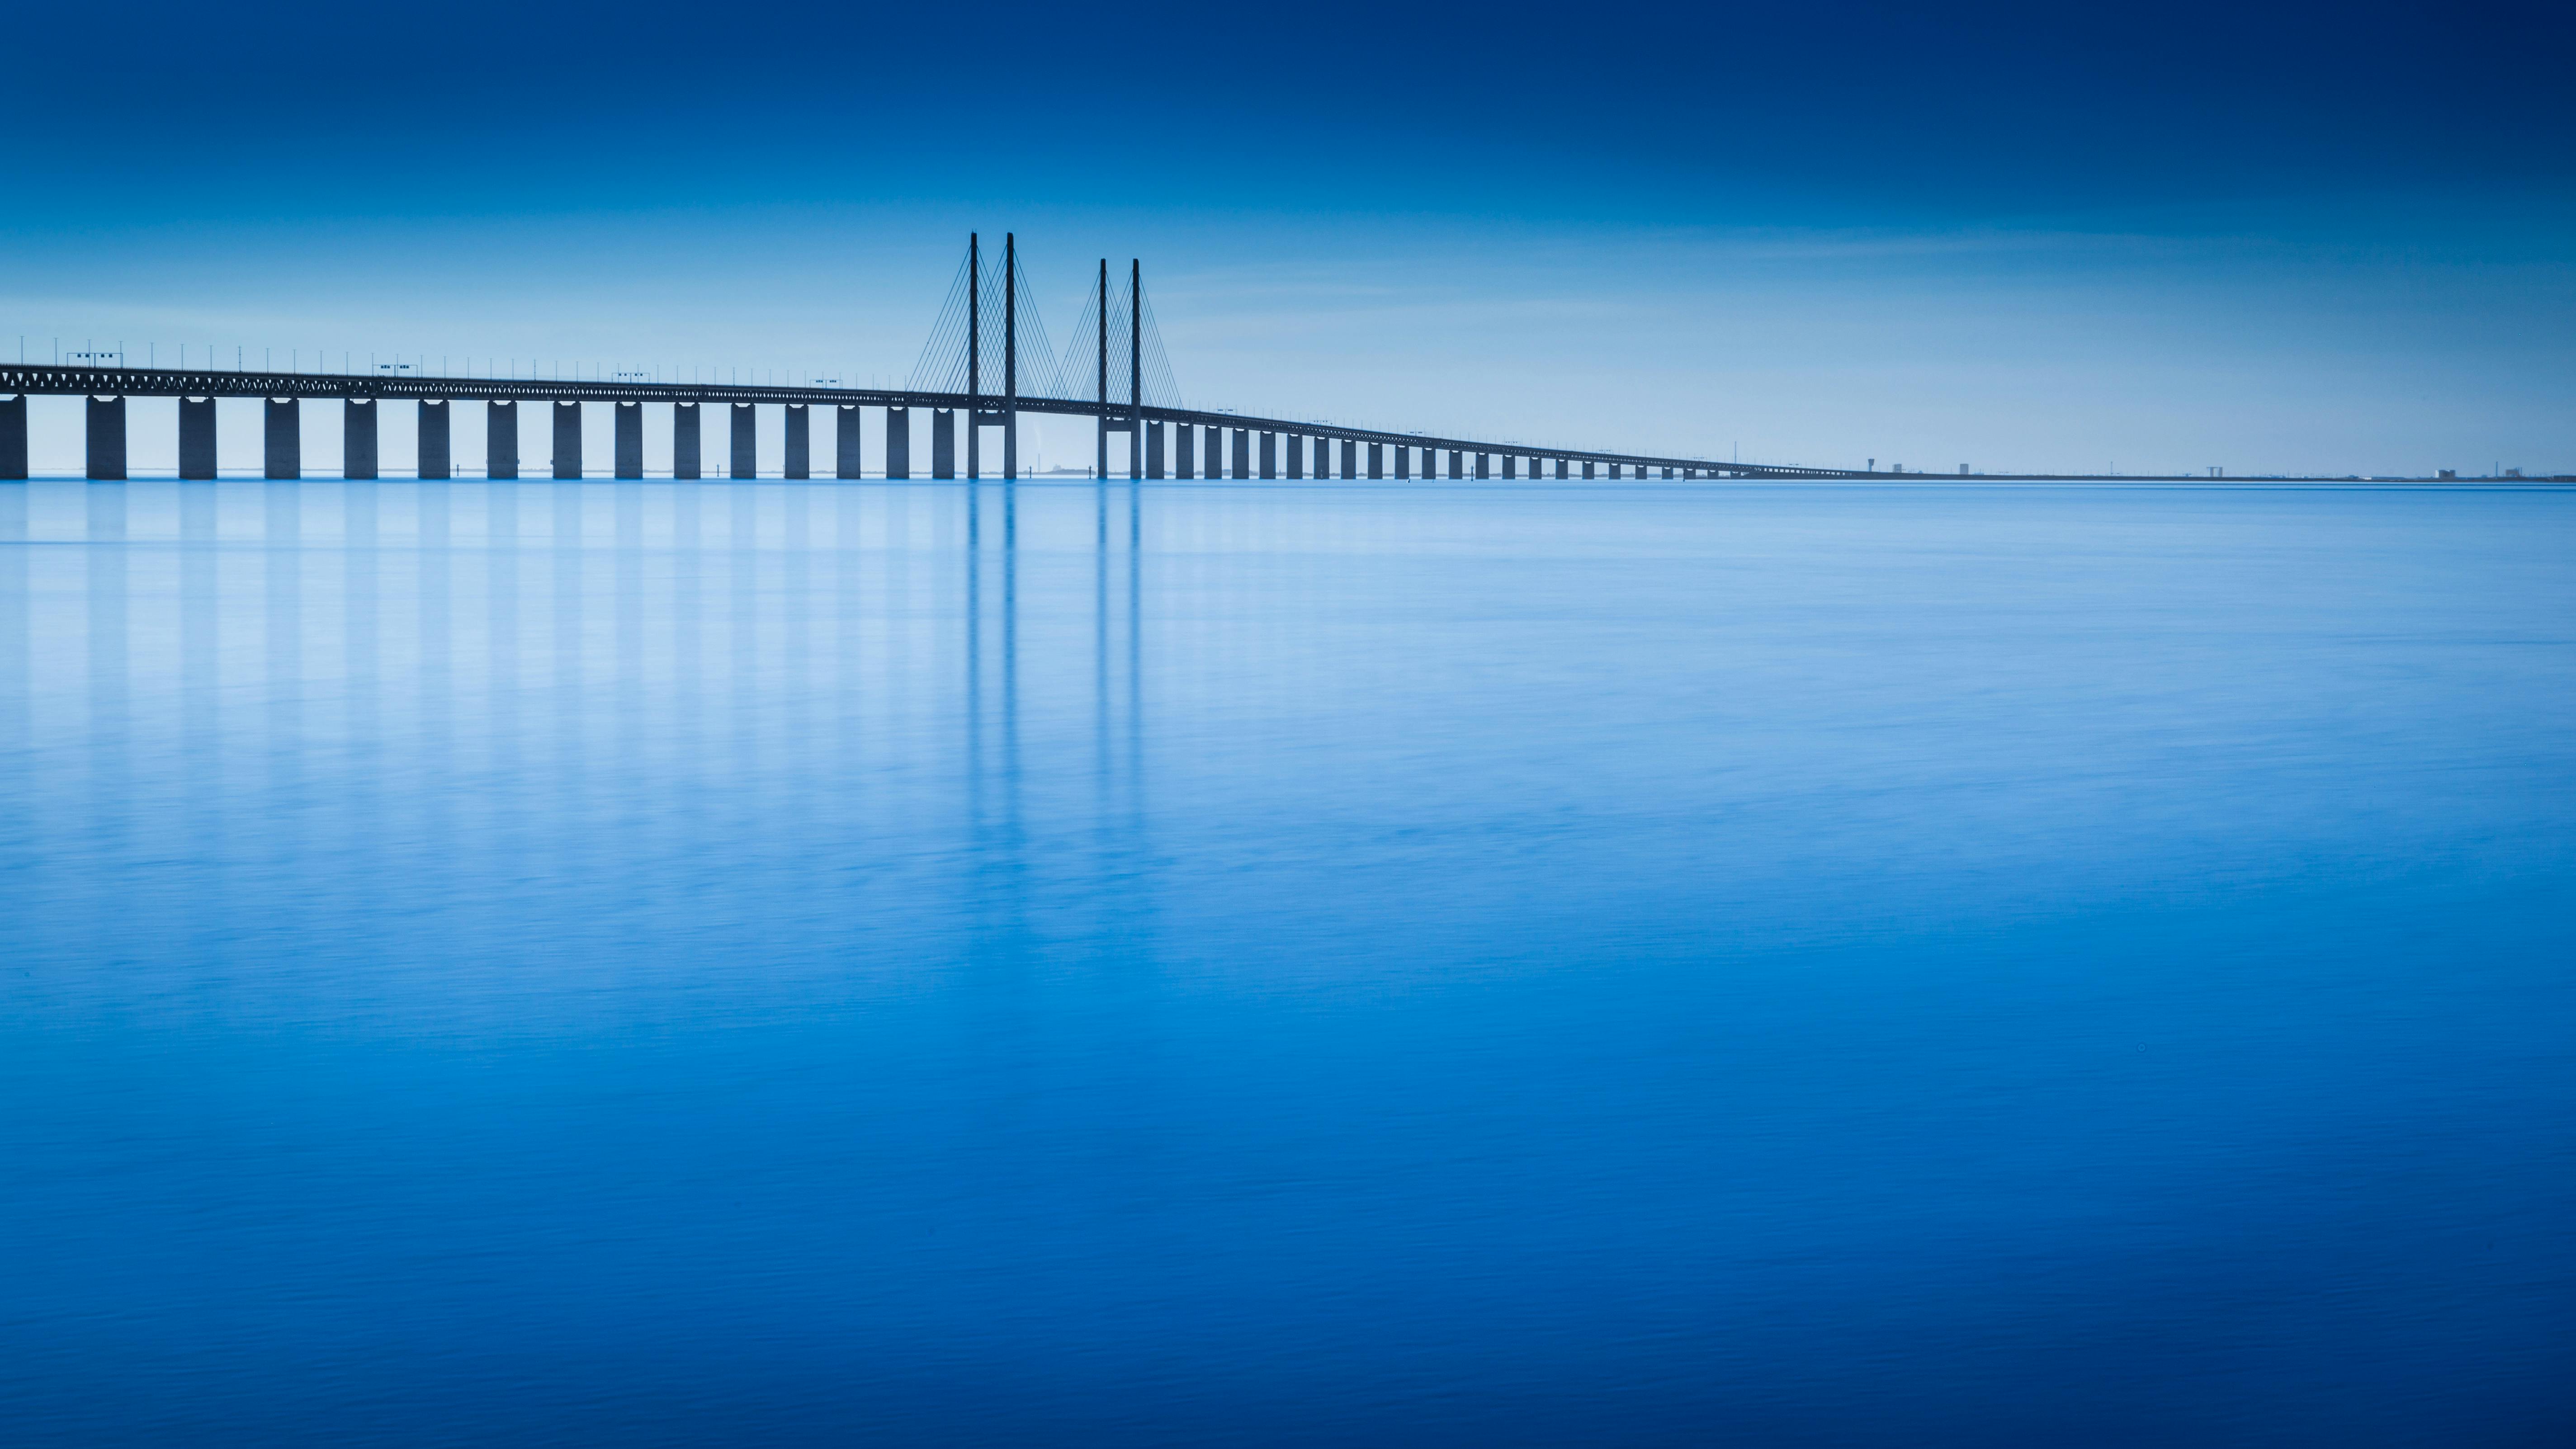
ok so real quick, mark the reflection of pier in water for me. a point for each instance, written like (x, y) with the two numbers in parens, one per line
(654, 673)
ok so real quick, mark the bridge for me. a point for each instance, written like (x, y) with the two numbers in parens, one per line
(972, 373)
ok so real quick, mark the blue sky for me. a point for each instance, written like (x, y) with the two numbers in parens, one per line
(2264, 237)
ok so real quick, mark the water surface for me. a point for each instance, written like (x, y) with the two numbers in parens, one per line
(655, 963)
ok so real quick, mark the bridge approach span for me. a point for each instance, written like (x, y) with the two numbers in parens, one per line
(1235, 445)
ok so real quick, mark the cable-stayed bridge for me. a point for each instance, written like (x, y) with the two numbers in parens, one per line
(988, 361)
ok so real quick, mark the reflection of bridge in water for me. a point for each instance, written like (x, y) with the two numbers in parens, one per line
(1114, 372)
(975, 654)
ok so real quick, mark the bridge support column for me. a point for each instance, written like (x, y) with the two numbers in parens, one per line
(1296, 455)
(1154, 450)
(845, 441)
(1560, 467)
(745, 462)
(898, 442)
(1185, 451)
(500, 438)
(281, 438)
(1511, 465)
(435, 460)
(1484, 465)
(106, 439)
(1404, 461)
(688, 459)
(567, 449)
(1242, 438)
(1587, 469)
(943, 442)
(799, 462)
(1269, 455)
(627, 450)
(196, 437)
(13, 437)
(358, 438)
(1377, 459)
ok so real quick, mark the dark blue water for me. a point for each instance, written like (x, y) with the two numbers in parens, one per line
(783, 964)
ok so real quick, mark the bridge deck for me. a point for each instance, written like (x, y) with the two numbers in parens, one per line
(61, 380)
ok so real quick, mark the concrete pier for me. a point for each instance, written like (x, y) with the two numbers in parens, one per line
(107, 438)
(628, 448)
(898, 442)
(1269, 455)
(196, 437)
(1560, 467)
(1404, 463)
(1377, 459)
(1511, 465)
(688, 459)
(1587, 469)
(358, 437)
(799, 462)
(845, 441)
(943, 442)
(567, 440)
(1484, 465)
(1154, 449)
(281, 438)
(13, 437)
(500, 440)
(435, 459)
(1242, 451)
(1185, 451)
(1296, 455)
(745, 461)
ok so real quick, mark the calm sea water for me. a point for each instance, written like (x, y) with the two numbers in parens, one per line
(1188, 964)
